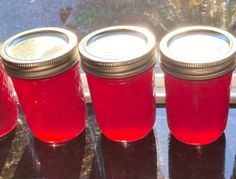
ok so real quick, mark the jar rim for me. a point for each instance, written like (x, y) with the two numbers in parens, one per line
(39, 52)
(119, 63)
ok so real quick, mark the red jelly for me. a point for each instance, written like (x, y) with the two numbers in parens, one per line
(119, 64)
(198, 64)
(8, 107)
(43, 65)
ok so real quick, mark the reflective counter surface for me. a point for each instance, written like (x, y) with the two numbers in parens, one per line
(91, 155)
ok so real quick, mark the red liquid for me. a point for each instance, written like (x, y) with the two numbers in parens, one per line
(8, 107)
(54, 107)
(124, 108)
(197, 111)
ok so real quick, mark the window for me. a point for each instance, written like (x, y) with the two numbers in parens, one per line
(85, 16)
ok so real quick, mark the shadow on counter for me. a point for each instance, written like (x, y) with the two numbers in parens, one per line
(198, 162)
(137, 160)
(42, 160)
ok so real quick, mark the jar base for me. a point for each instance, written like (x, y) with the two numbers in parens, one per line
(127, 140)
(60, 142)
(8, 132)
(197, 143)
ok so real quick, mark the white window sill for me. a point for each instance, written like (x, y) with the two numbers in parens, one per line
(160, 92)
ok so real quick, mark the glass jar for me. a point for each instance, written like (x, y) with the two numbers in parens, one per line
(8, 107)
(198, 62)
(119, 64)
(44, 66)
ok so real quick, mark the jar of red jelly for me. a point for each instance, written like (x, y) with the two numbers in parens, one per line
(8, 107)
(119, 64)
(198, 63)
(44, 66)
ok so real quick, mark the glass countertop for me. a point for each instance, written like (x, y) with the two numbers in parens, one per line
(93, 156)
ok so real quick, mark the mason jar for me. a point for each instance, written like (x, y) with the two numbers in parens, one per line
(8, 107)
(119, 64)
(198, 63)
(44, 66)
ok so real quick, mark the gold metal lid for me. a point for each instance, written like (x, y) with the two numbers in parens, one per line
(198, 52)
(40, 53)
(119, 51)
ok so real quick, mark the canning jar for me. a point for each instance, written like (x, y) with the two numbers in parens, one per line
(119, 64)
(8, 107)
(198, 63)
(44, 66)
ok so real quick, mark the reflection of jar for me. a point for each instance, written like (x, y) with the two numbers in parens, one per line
(198, 64)
(186, 161)
(129, 160)
(119, 64)
(63, 161)
(8, 107)
(43, 64)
